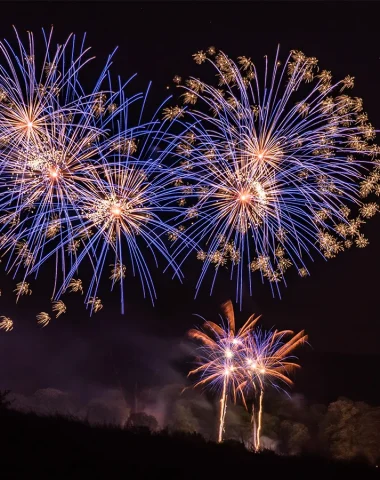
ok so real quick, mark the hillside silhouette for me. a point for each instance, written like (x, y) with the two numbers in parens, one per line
(57, 447)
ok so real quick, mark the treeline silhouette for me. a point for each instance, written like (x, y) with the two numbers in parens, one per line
(59, 447)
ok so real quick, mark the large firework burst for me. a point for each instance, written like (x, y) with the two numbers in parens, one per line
(272, 166)
(119, 219)
(81, 177)
(50, 136)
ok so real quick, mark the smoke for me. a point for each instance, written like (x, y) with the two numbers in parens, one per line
(108, 407)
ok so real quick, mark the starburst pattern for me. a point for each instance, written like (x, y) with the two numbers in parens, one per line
(50, 140)
(119, 211)
(81, 179)
(263, 163)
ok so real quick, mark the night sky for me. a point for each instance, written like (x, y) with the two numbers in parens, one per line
(337, 304)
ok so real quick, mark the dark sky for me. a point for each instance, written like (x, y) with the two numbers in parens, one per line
(337, 305)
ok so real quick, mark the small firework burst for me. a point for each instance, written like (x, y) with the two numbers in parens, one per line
(76, 285)
(43, 319)
(6, 323)
(59, 307)
(23, 288)
(95, 303)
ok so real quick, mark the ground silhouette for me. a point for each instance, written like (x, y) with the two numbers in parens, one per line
(57, 447)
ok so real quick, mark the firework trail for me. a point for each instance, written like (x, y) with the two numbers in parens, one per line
(218, 358)
(272, 166)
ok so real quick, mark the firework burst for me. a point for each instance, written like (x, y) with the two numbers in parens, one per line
(271, 169)
(266, 360)
(119, 213)
(218, 357)
(59, 307)
(6, 323)
(43, 319)
(50, 136)
(78, 181)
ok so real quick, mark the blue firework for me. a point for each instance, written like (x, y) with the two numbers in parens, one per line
(276, 163)
(51, 135)
(118, 225)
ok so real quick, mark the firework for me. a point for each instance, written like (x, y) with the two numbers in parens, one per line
(96, 304)
(219, 366)
(266, 360)
(50, 135)
(119, 213)
(6, 323)
(273, 166)
(76, 285)
(59, 307)
(43, 319)
(22, 288)
(79, 182)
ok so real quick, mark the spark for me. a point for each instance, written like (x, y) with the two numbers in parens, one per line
(6, 323)
(43, 319)
(118, 272)
(76, 285)
(171, 113)
(59, 307)
(199, 57)
(96, 304)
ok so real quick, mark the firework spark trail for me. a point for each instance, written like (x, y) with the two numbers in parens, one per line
(267, 172)
(59, 307)
(223, 410)
(218, 359)
(258, 431)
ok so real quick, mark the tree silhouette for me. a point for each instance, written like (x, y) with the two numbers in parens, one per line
(5, 402)
(142, 420)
